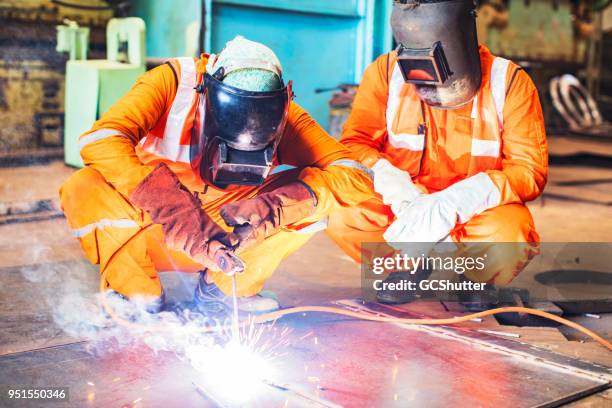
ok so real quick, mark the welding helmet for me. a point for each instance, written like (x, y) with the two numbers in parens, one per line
(438, 49)
(242, 124)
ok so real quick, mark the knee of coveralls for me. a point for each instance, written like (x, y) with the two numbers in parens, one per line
(262, 260)
(105, 224)
(349, 227)
(508, 238)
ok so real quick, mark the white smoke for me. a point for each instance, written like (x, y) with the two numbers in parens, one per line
(68, 293)
(110, 324)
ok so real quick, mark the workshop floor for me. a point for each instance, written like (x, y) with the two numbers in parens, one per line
(40, 263)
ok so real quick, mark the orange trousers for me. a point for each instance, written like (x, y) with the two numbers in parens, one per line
(104, 220)
(511, 223)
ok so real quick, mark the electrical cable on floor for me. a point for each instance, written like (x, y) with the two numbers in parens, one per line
(272, 316)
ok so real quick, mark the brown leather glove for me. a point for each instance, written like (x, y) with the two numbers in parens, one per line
(257, 218)
(186, 226)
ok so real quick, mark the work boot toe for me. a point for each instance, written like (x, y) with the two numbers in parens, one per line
(258, 304)
(210, 299)
(478, 301)
(150, 304)
(398, 297)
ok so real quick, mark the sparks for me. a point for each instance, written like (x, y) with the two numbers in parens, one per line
(232, 367)
(244, 363)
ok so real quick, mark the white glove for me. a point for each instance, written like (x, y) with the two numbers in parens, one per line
(430, 218)
(394, 185)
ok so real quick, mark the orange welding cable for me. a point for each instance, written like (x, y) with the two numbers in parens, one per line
(453, 320)
(272, 316)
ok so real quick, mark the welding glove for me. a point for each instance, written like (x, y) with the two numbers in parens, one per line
(394, 185)
(431, 217)
(257, 218)
(187, 228)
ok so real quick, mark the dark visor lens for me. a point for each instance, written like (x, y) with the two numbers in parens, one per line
(231, 166)
(419, 70)
(426, 66)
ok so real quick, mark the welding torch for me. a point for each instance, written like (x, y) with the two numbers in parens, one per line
(238, 266)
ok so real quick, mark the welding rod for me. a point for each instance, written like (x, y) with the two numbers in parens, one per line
(235, 321)
(209, 396)
(308, 397)
(498, 333)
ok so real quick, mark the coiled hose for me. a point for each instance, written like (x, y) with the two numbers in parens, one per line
(272, 316)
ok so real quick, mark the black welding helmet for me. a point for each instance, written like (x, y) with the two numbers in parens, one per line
(241, 132)
(438, 49)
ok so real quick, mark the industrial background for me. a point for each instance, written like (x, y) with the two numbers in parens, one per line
(548, 38)
(63, 63)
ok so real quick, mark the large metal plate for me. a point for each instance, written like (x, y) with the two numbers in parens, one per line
(333, 360)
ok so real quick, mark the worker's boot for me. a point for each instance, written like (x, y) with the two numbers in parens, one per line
(397, 297)
(148, 304)
(478, 301)
(210, 299)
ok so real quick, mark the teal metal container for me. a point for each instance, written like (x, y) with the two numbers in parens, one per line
(321, 43)
(93, 86)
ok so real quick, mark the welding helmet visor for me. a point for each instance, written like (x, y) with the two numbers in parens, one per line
(240, 134)
(438, 49)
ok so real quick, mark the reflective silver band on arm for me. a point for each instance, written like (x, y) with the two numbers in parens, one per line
(354, 165)
(103, 223)
(99, 135)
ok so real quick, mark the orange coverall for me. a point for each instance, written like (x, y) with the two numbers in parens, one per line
(95, 201)
(519, 172)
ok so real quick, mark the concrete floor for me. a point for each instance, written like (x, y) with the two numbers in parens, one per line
(38, 255)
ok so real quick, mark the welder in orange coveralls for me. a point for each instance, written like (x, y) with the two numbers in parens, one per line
(190, 149)
(455, 137)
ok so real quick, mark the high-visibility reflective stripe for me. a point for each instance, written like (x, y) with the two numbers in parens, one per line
(499, 69)
(395, 88)
(169, 146)
(414, 142)
(354, 165)
(487, 148)
(474, 113)
(316, 227)
(401, 140)
(156, 146)
(98, 135)
(103, 223)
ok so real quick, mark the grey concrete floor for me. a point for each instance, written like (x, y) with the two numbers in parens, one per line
(41, 263)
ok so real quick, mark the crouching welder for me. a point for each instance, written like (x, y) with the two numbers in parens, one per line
(455, 137)
(190, 149)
